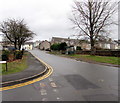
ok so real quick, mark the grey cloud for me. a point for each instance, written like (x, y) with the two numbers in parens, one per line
(46, 18)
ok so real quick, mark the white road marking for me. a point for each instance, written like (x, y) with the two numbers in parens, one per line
(101, 80)
(53, 84)
(55, 90)
(58, 98)
(42, 85)
(44, 99)
(50, 79)
(43, 92)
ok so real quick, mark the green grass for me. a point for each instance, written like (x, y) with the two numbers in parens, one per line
(15, 66)
(101, 59)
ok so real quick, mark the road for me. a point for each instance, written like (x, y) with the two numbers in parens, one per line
(71, 81)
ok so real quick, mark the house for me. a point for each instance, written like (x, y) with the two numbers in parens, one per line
(44, 45)
(72, 42)
(68, 41)
(84, 44)
(27, 46)
(36, 43)
(5, 45)
(107, 44)
(117, 46)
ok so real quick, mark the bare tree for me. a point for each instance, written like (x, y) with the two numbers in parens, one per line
(92, 18)
(16, 31)
(24, 34)
(9, 28)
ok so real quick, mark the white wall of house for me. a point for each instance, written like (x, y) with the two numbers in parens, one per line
(85, 46)
(1, 47)
(36, 43)
(106, 45)
(27, 47)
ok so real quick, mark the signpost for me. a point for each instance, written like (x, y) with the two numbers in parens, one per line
(4, 62)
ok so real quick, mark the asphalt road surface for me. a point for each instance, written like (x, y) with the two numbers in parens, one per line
(71, 81)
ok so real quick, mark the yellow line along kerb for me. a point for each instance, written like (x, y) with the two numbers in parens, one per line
(50, 71)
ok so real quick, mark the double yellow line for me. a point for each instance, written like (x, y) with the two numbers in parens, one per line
(50, 71)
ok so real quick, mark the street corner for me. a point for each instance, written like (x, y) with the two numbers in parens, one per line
(48, 70)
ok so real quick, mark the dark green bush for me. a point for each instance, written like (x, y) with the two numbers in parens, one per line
(18, 54)
(63, 46)
(55, 46)
(59, 46)
(5, 55)
(78, 48)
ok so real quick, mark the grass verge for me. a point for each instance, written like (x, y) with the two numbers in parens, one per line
(90, 58)
(101, 59)
(15, 66)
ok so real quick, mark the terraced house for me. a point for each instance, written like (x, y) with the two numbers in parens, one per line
(85, 44)
(72, 42)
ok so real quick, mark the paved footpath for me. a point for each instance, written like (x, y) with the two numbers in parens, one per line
(34, 67)
(71, 81)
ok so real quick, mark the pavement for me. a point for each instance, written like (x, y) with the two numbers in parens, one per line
(34, 68)
(71, 81)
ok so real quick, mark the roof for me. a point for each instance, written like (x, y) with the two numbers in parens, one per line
(62, 38)
(117, 41)
(29, 43)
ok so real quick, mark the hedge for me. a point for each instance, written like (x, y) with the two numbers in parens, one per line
(115, 53)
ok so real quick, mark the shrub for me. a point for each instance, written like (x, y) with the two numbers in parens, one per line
(18, 54)
(78, 48)
(63, 46)
(59, 46)
(5, 55)
(55, 46)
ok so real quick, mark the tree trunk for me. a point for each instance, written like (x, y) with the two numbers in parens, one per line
(15, 46)
(19, 46)
(92, 46)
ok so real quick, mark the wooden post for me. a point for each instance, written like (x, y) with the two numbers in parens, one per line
(6, 67)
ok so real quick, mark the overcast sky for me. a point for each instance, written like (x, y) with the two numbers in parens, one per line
(47, 18)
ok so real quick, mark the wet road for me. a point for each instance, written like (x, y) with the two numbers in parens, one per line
(71, 81)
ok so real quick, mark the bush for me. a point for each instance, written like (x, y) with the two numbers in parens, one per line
(63, 46)
(5, 55)
(59, 46)
(55, 46)
(78, 48)
(18, 54)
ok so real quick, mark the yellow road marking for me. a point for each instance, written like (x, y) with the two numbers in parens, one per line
(50, 71)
